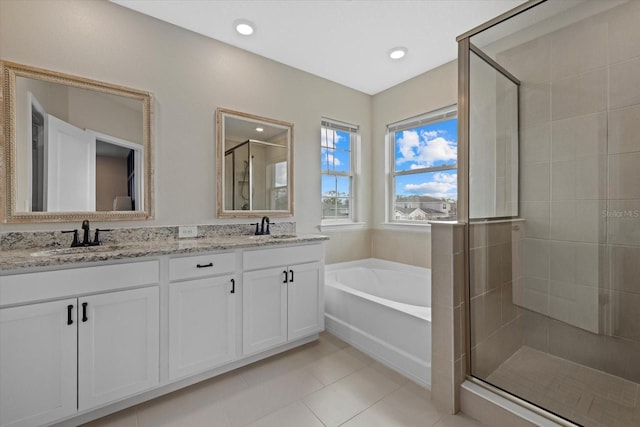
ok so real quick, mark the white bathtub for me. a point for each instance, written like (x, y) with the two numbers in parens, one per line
(384, 309)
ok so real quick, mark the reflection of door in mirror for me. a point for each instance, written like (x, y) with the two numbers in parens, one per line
(73, 169)
(70, 168)
(77, 150)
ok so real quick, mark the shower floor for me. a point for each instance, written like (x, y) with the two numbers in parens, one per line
(582, 394)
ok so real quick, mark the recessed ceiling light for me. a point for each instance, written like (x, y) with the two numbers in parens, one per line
(244, 27)
(259, 129)
(397, 52)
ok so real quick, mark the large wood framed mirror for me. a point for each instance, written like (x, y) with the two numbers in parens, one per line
(73, 148)
(254, 166)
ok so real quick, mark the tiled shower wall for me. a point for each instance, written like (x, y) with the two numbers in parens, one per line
(580, 189)
(496, 327)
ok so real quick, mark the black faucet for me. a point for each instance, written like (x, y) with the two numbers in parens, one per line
(262, 230)
(85, 238)
(86, 241)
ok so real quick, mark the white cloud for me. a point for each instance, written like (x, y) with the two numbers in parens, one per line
(407, 144)
(443, 186)
(329, 138)
(332, 160)
(430, 134)
(446, 177)
(425, 149)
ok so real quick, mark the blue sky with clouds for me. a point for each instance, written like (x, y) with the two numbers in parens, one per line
(427, 146)
(336, 156)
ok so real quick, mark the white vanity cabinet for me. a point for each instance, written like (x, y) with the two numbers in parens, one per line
(202, 313)
(282, 296)
(76, 351)
(78, 341)
(38, 364)
(118, 345)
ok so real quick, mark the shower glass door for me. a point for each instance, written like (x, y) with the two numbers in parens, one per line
(554, 288)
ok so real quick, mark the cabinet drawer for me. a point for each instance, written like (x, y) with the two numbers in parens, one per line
(31, 287)
(274, 257)
(201, 265)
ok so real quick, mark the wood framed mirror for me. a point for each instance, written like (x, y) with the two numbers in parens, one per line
(73, 148)
(254, 159)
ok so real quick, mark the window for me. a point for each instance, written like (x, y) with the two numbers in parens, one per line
(424, 152)
(337, 142)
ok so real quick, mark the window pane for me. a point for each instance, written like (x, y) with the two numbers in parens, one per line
(343, 140)
(329, 186)
(435, 144)
(422, 196)
(336, 196)
(327, 159)
(335, 207)
(336, 160)
(341, 161)
(337, 175)
(280, 175)
(343, 184)
(336, 150)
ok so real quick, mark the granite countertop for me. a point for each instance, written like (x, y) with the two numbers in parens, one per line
(46, 256)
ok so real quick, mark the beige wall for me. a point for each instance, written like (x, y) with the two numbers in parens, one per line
(188, 85)
(190, 76)
(429, 91)
(111, 181)
(349, 245)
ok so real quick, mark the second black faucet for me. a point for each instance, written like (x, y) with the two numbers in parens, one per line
(86, 241)
(261, 231)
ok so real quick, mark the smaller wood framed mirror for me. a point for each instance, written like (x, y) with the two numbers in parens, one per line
(254, 166)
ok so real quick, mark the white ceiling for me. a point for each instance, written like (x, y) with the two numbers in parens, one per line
(345, 41)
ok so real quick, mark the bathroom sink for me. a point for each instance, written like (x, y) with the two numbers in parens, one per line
(76, 250)
(273, 237)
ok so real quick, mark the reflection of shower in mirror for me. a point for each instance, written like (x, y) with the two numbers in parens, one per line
(244, 188)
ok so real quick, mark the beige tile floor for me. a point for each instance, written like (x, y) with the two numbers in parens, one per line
(323, 383)
(584, 395)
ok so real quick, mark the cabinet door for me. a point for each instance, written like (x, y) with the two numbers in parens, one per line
(38, 359)
(304, 300)
(202, 324)
(118, 345)
(264, 309)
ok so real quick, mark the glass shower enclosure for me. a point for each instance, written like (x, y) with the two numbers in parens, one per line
(551, 117)
(256, 176)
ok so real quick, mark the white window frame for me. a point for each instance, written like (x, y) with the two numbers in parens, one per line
(354, 143)
(435, 116)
